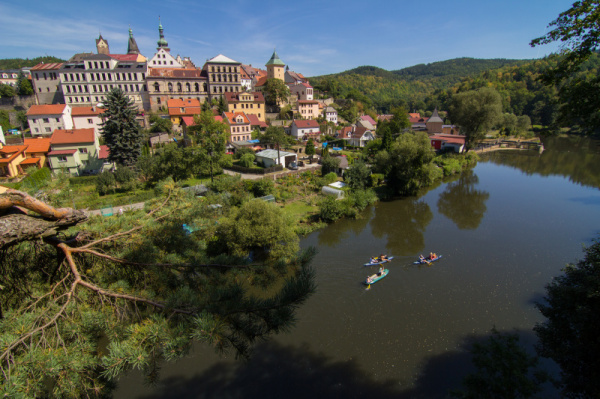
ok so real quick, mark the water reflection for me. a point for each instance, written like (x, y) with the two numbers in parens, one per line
(462, 203)
(576, 158)
(339, 231)
(403, 226)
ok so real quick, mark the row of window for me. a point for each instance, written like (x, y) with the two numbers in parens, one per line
(246, 106)
(101, 76)
(219, 89)
(45, 120)
(104, 88)
(241, 138)
(188, 87)
(52, 75)
(240, 129)
(218, 69)
(97, 99)
(217, 78)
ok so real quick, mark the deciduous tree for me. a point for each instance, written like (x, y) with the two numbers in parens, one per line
(276, 92)
(212, 136)
(475, 112)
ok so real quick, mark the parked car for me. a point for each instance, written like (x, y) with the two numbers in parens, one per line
(293, 166)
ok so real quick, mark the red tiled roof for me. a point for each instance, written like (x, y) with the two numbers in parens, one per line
(359, 132)
(414, 115)
(186, 111)
(124, 57)
(86, 111)
(261, 81)
(39, 144)
(47, 67)
(10, 152)
(72, 136)
(303, 124)
(188, 120)
(384, 117)
(449, 138)
(104, 151)
(177, 103)
(218, 118)
(232, 116)
(61, 152)
(46, 109)
(368, 119)
(30, 161)
(254, 121)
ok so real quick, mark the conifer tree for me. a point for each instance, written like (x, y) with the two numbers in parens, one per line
(122, 134)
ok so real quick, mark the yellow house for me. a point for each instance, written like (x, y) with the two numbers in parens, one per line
(11, 157)
(248, 103)
(180, 108)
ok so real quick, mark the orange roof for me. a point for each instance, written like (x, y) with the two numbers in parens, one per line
(49, 66)
(188, 120)
(72, 136)
(86, 111)
(46, 109)
(29, 161)
(177, 103)
(40, 144)
(261, 81)
(10, 152)
(232, 116)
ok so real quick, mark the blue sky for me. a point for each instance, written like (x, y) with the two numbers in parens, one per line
(312, 37)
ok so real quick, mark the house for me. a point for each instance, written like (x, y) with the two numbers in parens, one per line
(434, 123)
(270, 158)
(46, 83)
(180, 108)
(256, 124)
(11, 157)
(302, 91)
(331, 115)
(294, 78)
(367, 122)
(76, 151)
(360, 136)
(417, 122)
(248, 103)
(250, 75)
(448, 141)
(9, 77)
(223, 75)
(239, 126)
(87, 118)
(37, 150)
(308, 109)
(44, 119)
(303, 129)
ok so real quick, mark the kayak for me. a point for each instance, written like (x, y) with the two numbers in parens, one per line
(421, 262)
(375, 277)
(379, 262)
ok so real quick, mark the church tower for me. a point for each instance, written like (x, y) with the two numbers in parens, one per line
(275, 68)
(162, 42)
(102, 46)
(132, 47)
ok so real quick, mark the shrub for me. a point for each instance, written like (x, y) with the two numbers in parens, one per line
(377, 179)
(263, 187)
(330, 209)
(105, 181)
(247, 160)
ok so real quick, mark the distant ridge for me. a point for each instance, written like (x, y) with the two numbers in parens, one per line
(18, 63)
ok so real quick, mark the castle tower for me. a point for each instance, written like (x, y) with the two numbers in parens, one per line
(102, 46)
(132, 47)
(162, 42)
(275, 68)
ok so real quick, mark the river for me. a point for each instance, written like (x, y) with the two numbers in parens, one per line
(504, 230)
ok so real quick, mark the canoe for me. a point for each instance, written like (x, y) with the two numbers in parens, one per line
(421, 262)
(376, 278)
(379, 262)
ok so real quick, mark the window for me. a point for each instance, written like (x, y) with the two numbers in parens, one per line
(83, 150)
(57, 119)
(48, 130)
(62, 158)
(46, 120)
(90, 121)
(37, 130)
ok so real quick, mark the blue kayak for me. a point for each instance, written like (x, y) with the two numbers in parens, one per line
(376, 277)
(379, 262)
(422, 262)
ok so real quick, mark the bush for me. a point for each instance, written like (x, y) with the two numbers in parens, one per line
(124, 174)
(105, 181)
(360, 199)
(263, 187)
(330, 209)
(377, 179)
(247, 160)
(330, 178)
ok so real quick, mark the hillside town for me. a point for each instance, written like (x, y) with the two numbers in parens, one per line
(65, 122)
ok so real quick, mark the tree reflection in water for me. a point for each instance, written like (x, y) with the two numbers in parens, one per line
(462, 203)
(404, 225)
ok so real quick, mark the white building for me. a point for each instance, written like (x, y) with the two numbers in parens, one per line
(302, 129)
(45, 119)
(87, 118)
(331, 115)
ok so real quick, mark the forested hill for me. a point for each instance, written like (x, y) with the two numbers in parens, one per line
(18, 63)
(408, 86)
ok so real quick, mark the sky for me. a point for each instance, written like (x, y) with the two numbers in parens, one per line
(312, 37)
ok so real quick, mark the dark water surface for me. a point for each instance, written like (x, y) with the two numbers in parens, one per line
(504, 231)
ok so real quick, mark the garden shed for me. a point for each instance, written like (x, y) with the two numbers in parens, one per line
(269, 158)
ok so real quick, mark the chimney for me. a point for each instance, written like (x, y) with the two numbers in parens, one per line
(93, 109)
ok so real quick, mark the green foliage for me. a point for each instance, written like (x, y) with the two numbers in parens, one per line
(262, 187)
(120, 130)
(330, 209)
(35, 180)
(310, 148)
(247, 160)
(360, 199)
(569, 335)
(23, 85)
(105, 182)
(276, 92)
(7, 91)
(22, 119)
(475, 112)
(504, 370)
(358, 176)
(212, 138)
(159, 124)
(18, 63)
(329, 164)
(5, 120)
(407, 166)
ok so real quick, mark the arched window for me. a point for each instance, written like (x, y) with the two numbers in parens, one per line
(158, 101)
(170, 87)
(188, 87)
(178, 86)
(205, 87)
(196, 87)
(156, 87)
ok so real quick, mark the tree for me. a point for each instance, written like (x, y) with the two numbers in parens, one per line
(212, 138)
(222, 107)
(407, 166)
(5, 120)
(120, 130)
(578, 29)
(523, 123)
(7, 91)
(247, 160)
(569, 336)
(79, 308)
(275, 135)
(329, 164)
(23, 85)
(159, 124)
(206, 106)
(475, 112)
(22, 119)
(504, 370)
(276, 92)
(310, 149)
(358, 176)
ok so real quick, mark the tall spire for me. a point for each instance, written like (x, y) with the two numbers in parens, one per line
(162, 42)
(132, 47)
